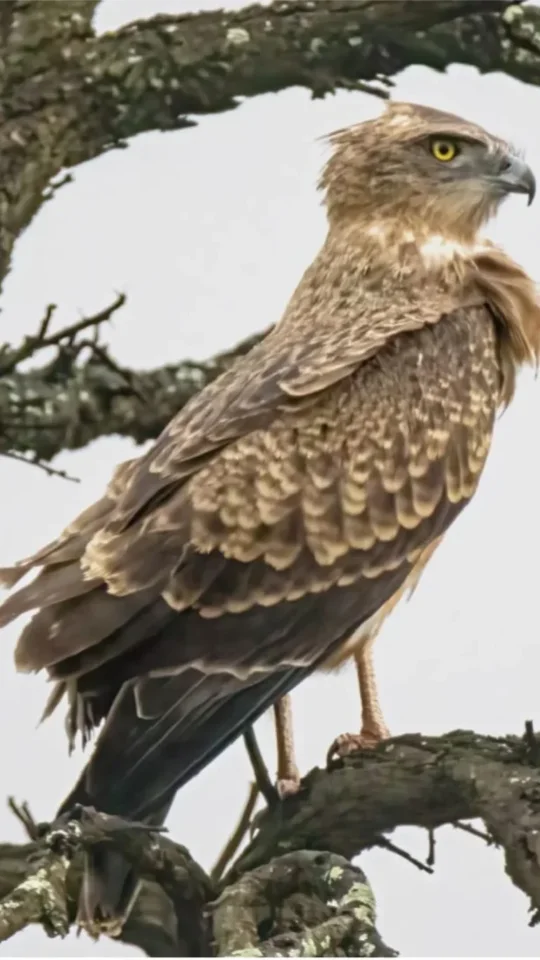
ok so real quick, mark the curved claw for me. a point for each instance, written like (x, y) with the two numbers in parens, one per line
(348, 743)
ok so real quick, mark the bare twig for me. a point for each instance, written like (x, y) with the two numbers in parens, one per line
(260, 770)
(55, 185)
(468, 828)
(12, 357)
(430, 859)
(46, 467)
(531, 741)
(21, 811)
(239, 833)
(387, 844)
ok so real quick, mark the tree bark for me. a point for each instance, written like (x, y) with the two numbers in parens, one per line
(294, 891)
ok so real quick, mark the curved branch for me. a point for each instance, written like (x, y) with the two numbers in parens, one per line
(341, 909)
(168, 918)
(415, 781)
(68, 96)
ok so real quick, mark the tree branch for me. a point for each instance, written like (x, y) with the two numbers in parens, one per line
(329, 901)
(83, 394)
(418, 781)
(293, 891)
(69, 95)
(168, 919)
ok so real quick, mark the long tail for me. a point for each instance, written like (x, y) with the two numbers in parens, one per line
(160, 757)
(162, 730)
(110, 887)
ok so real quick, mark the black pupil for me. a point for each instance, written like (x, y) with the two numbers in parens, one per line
(445, 149)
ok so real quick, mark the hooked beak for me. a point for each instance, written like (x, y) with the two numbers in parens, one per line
(517, 177)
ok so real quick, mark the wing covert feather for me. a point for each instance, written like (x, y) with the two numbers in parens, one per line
(344, 491)
(327, 493)
(296, 361)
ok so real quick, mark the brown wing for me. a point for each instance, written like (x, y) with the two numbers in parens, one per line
(322, 338)
(295, 361)
(268, 559)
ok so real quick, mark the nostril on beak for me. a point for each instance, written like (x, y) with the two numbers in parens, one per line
(515, 176)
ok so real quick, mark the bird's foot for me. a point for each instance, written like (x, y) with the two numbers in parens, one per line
(288, 786)
(347, 743)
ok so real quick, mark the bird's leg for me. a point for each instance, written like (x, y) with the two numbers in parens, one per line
(288, 775)
(373, 728)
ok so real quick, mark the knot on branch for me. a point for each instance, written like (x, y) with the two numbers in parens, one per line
(304, 904)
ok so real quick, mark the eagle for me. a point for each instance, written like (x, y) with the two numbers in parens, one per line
(285, 506)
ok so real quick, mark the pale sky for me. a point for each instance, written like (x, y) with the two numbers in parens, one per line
(208, 231)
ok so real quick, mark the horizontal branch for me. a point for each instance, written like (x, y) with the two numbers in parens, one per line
(293, 891)
(157, 73)
(418, 781)
(83, 394)
(179, 913)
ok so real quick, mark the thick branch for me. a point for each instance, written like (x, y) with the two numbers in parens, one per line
(321, 894)
(293, 892)
(155, 73)
(419, 781)
(168, 919)
(39, 898)
(317, 893)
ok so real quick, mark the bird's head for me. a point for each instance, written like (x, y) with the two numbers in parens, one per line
(421, 167)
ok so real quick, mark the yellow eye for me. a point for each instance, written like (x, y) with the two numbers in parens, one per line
(444, 150)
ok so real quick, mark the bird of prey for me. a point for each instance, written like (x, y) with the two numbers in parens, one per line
(284, 505)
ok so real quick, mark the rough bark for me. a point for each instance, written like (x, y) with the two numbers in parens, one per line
(293, 891)
(68, 95)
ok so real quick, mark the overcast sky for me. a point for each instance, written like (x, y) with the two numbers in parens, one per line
(207, 231)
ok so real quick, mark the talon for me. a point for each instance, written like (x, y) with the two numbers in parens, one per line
(348, 743)
(288, 786)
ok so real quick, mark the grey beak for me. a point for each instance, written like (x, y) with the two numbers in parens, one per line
(517, 177)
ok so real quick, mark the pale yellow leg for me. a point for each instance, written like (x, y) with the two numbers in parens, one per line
(288, 775)
(373, 728)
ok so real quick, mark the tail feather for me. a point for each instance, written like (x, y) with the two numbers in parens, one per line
(161, 731)
(110, 886)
